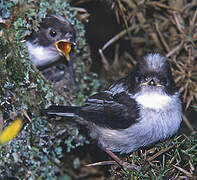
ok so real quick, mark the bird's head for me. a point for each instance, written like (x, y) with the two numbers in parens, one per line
(151, 80)
(54, 40)
(59, 34)
(152, 73)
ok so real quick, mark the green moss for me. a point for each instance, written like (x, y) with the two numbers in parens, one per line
(37, 151)
(159, 162)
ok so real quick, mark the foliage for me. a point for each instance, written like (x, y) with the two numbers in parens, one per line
(167, 27)
(176, 159)
(37, 151)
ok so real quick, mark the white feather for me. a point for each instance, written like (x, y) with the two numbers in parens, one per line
(155, 61)
(62, 114)
(153, 100)
(40, 55)
(153, 125)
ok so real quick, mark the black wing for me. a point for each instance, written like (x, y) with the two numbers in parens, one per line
(117, 111)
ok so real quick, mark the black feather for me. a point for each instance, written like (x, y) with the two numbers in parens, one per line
(115, 112)
(61, 109)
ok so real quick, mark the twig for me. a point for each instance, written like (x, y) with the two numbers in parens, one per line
(1, 122)
(130, 4)
(160, 152)
(178, 24)
(161, 6)
(162, 38)
(131, 59)
(102, 163)
(192, 23)
(174, 50)
(117, 37)
(104, 60)
(188, 124)
(122, 9)
(82, 10)
(190, 5)
(191, 166)
(184, 171)
(26, 115)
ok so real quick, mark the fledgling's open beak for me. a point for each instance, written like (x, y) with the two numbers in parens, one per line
(64, 47)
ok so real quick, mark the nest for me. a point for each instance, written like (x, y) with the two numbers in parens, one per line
(167, 27)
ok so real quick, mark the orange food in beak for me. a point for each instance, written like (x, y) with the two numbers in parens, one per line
(64, 47)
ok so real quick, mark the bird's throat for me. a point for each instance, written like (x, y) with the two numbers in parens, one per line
(153, 100)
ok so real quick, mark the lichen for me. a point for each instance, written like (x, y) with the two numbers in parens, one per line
(36, 152)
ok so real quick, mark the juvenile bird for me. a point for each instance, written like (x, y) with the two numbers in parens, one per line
(51, 47)
(134, 112)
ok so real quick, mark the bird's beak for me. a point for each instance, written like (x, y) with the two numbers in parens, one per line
(64, 47)
(151, 83)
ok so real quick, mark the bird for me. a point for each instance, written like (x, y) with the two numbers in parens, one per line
(51, 48)
(134, 112)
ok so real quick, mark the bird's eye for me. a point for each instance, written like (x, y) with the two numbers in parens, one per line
(52, 33)
(141, 79)
(163, 81)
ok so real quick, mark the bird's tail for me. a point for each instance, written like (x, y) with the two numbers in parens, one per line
(69, 111)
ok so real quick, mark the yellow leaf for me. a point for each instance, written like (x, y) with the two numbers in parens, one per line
(11, 131)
